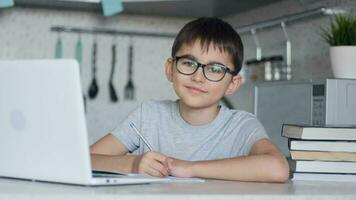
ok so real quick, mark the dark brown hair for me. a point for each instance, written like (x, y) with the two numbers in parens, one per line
(211, 31)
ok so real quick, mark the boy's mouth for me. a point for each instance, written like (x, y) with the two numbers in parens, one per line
(195, 90)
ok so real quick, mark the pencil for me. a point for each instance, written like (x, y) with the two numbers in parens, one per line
(141, 136)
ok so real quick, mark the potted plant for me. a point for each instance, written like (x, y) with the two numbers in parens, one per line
(342, 39)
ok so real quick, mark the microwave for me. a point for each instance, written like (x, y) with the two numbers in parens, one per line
(314, 102)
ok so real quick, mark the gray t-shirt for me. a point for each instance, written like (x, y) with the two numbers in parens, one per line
(230, 134)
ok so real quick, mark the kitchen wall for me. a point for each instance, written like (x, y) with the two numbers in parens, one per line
(25, 34)
(310, 54)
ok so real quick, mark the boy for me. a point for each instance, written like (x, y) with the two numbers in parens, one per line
(195, 136)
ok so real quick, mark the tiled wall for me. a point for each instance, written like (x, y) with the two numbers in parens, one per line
(310, 53)
(25, 34)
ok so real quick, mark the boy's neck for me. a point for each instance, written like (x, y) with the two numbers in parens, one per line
(200, 116)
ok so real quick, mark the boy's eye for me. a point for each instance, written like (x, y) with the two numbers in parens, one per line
(215, 69)
(188, 63)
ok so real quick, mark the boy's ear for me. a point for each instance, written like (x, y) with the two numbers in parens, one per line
(169, 69)
(234, 85)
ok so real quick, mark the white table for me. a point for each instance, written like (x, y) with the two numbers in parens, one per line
(210, 190)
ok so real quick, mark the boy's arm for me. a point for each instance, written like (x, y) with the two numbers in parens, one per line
(110, 154)
(265, 163)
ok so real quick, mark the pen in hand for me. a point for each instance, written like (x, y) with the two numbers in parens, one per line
(140, 136)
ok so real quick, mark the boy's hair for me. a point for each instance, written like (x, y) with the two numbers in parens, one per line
(211, 31)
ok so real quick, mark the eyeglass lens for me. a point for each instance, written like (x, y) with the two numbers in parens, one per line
(213, 72)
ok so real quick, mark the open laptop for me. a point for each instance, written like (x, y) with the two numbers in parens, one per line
(43, 134)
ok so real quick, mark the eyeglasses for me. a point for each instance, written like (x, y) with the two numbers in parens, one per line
(213, 72)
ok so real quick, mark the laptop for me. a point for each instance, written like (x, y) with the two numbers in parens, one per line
(43, 133)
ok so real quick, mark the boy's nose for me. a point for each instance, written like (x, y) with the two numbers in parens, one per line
(199, 75)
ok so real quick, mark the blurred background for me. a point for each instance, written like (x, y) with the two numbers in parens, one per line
(39, 29)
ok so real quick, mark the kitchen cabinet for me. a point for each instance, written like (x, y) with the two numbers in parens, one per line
(167, 8)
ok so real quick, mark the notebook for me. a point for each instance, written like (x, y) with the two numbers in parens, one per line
(43, 133)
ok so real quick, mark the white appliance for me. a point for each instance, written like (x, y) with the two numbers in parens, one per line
(316, 102)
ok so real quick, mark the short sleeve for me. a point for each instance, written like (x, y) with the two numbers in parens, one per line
(253, 131)
(124, 132)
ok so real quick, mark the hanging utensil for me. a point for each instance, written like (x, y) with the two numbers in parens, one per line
(130, 88)
(93, 89)
(288, 68)
(59, 47)
(79, 51)
(113, 95)
(79, 58)
(258, 45)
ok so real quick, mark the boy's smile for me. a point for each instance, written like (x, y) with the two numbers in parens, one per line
(196, 90)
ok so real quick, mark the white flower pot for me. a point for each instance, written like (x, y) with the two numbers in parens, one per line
(343, 61)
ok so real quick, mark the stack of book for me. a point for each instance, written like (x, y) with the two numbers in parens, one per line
(321, 153)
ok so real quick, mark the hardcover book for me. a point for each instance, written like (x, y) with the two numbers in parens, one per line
(323, 177)
(323, 155)
(322, 166)
(313, 145)
(318, 132)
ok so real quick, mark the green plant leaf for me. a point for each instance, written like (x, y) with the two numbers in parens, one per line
(342, 31)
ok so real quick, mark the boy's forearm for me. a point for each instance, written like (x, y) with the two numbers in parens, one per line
(262, 168)
(113, 163)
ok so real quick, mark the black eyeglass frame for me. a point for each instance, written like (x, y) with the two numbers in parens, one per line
(226, 69)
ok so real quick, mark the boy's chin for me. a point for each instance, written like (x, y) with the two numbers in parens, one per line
(197, 103)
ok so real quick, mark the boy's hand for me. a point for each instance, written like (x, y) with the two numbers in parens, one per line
(150, 163)
(179, 168)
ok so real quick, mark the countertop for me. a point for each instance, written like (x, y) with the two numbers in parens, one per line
(211, 189)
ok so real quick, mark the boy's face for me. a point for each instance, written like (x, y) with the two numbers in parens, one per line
(195, 90)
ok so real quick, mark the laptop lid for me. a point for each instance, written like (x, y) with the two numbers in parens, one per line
(43, 134)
